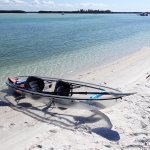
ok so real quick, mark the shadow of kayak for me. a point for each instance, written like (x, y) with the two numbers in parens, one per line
(108, 134)
(63, 119)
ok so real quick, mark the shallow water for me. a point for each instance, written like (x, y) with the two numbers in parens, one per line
(60, 45)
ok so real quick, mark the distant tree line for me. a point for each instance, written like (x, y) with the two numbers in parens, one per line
(12, 11)
(94, 11)
(81, 11)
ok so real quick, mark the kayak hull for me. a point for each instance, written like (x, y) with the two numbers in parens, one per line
(104, 98)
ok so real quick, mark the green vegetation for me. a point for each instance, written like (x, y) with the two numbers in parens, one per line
(81, 11)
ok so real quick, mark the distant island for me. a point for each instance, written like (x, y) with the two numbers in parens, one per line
(81, 11)
(12, 11)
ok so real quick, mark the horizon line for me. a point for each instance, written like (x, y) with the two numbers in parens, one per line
(70, 11)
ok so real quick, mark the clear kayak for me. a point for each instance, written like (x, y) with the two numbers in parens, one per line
(65, 93)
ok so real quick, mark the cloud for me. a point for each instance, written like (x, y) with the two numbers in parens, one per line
(85, 5)
(42, 2)
(18, 1)
(12, 2)
(50, 5)
(3, 2)
(91, 4)
(48, 2)
(35, 2)
(31, 2)
(81, 5)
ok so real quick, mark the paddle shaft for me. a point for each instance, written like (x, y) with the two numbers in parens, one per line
(85, 93)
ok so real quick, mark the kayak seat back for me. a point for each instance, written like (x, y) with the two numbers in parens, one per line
(62, 88)
(35, 84)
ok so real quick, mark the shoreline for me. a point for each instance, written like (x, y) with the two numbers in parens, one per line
(82, 11)
(124, 68)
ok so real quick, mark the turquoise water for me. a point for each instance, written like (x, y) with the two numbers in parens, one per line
(60, 45)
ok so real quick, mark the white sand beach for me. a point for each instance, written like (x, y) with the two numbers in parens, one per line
(124, 126)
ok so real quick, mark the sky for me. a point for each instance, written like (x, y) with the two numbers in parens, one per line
(113, 5)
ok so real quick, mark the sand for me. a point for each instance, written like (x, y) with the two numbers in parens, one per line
(122, 126)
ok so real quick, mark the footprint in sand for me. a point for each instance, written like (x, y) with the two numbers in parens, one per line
(12, 125)
(136, 147)
(1, 127)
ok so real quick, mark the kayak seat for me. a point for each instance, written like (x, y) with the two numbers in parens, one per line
(62, 88)
(35, 84)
